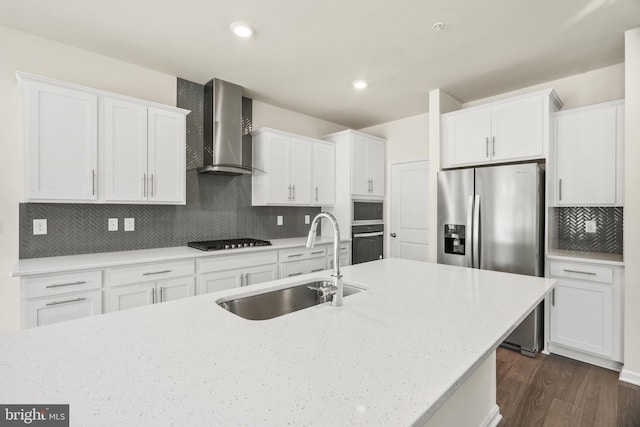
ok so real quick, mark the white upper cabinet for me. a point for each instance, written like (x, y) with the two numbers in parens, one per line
(512, 130)
(286, 172)
(86, 145)
(61, 142)
(324, 173)
(588, 156)
(367, 173)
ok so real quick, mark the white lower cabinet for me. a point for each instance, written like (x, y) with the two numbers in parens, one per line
(586, 312)
(227, 272)
(297, 261)
(345, 255)
(60, 297)
(138, 285)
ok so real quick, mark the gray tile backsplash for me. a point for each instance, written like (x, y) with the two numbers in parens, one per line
(218, 207)
(568, 229)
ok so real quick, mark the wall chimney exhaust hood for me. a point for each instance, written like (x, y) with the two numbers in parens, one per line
(225, 150)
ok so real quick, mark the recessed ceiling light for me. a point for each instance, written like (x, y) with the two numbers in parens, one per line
(438, 26)
(242, 29)
(360, 84)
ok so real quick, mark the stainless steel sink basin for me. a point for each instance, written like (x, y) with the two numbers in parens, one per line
(282, 301)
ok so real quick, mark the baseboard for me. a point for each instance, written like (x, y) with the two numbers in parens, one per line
(493, 418)
(585, 357)
(629, 376)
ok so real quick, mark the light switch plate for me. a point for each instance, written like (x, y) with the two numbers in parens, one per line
(129, 224)
(113, 224)
(280, 220)
(307, 219)
(39, 226)
(590, 226)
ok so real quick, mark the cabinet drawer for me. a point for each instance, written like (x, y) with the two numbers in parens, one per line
(62, 308)
(586, 272)
(218, 263)
(296, 268)
(148, 272)
(297, 254)
(34, 287)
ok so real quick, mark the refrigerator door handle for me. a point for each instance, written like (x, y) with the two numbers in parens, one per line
(475, 252)
(468, 233)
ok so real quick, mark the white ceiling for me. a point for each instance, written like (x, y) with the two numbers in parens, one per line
(306, 53)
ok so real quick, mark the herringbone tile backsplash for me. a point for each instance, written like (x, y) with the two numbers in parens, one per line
(568, 225)
(218, 207)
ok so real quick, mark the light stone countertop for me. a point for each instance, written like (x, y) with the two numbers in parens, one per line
(582, 256)
(390, 356)
(60, 264)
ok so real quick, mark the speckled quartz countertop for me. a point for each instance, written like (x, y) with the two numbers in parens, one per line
(59, 264)
(390, 356)
(590, 257)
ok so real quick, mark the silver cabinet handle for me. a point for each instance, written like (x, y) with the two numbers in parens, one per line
(316, 253)
(294, 274)
(560, 189)
(161, 294)
(553, 297)
(289, 193)
(59, 285)
(144, 184)
(245, 279)
(316, 193)
(93, 182)
(318, 269)
(153, 296)
(590, 273)
(486, 147)
(156, 272)
(65, 302)
(493, 145)
(151, 185)
(393, 235)
(293, 255)
(293, 187)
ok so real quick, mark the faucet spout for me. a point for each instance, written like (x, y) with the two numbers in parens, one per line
(336, 275)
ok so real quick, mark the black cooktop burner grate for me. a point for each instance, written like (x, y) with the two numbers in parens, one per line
(216, 245)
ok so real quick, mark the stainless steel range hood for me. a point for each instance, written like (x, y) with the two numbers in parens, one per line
(225, 150)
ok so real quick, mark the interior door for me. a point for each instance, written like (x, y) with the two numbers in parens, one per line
(409, 210)
(511, 207)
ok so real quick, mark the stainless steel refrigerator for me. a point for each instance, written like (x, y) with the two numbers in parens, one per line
(493, 218)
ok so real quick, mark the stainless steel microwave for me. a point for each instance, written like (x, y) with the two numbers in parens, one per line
(367, 212)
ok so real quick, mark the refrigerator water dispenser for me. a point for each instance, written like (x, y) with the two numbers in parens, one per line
(454, 239)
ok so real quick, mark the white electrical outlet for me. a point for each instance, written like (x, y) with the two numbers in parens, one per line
(590, 226)
(39, 226)
(280, 220)
(129, 224)
(113, 224)
(307, 219)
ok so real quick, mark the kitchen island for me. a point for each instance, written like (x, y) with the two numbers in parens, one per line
(401, 352)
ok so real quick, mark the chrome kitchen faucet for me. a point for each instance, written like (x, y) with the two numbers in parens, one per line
(336, 288)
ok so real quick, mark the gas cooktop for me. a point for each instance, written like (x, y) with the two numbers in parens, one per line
(216, 245)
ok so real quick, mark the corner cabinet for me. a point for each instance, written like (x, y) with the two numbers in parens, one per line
(290, 170)
(587, 163)
(61, 142)
(86, 145)
(586, 312)
(512, 130)
(363, 158)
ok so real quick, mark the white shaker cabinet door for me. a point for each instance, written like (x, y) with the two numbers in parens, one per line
(301, 167)
(174, 289)
(125, 150)
(278, 176)
(218, 281)
(166, 157)
(324, 174)
(61, 308)
(359, 173)
(131, 296)
(61, 140)
(467, 137)
(260, 274)
(517, 129)
(375, 167)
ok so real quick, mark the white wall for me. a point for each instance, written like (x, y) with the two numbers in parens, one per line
(279, 118)
(592, 87)
(407, 140)
(32, 54)
(632, 208)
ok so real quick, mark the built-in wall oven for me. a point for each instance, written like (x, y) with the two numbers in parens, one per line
(367, 243)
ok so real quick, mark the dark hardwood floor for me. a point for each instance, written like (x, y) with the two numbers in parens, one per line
(552, 391)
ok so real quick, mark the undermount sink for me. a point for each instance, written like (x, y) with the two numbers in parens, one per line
(276, 303)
